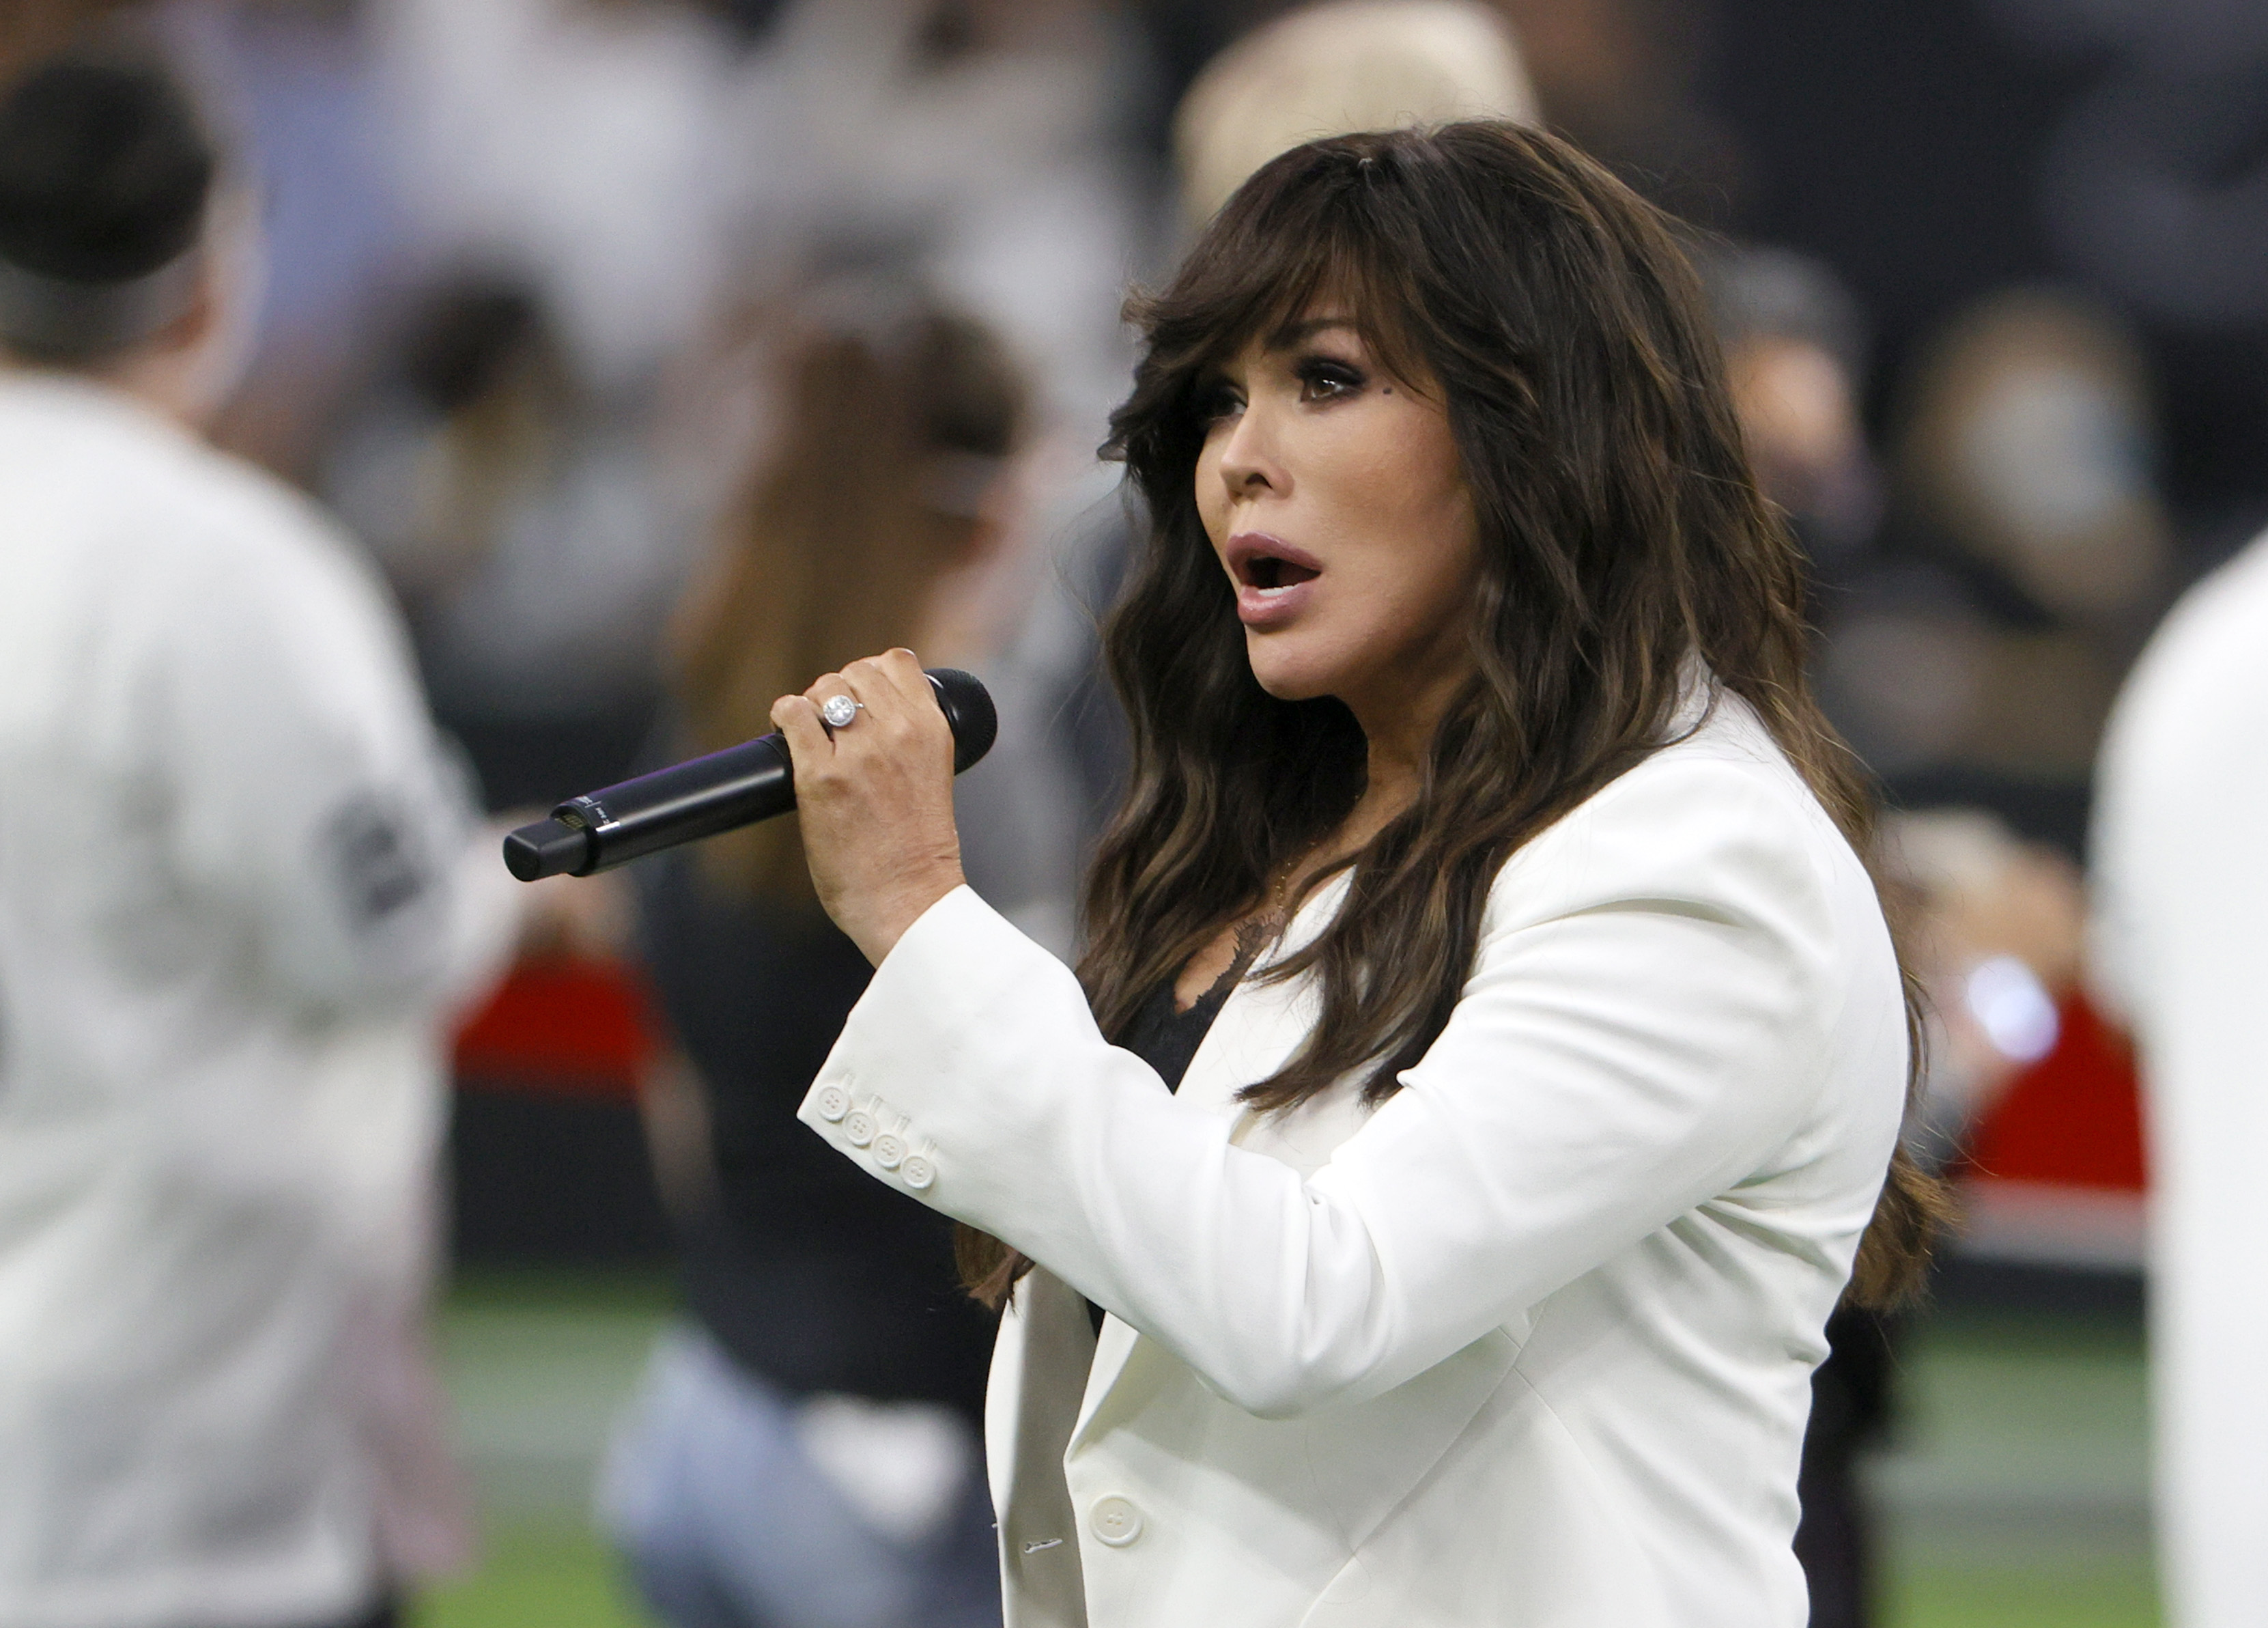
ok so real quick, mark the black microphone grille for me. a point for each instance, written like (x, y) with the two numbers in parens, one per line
(968, 707)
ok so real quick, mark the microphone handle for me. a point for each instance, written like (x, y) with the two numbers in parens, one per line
(707, 796)
(682, 803)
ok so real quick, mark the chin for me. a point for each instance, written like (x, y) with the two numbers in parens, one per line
(1284, 674)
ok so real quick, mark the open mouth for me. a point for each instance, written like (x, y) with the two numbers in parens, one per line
(1265, 571)
(1269, 565)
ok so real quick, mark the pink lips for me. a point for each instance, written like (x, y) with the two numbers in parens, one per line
(1274, 580)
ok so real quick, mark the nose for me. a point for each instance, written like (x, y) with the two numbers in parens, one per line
(1251, 460)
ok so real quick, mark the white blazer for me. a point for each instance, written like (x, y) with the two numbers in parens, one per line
(1530, 1344)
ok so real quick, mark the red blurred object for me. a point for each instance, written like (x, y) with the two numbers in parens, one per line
(2073, 1118)
(562, 1026)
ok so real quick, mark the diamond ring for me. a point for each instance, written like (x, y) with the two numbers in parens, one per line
(840, 712)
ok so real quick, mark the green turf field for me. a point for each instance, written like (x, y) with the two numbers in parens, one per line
(538, 1365)
(2016, 1495)
(2013, 1498)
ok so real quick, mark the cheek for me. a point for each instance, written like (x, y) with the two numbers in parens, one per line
(1422, 512)
(1212, 496)
(1431, 579)
(1456, 554)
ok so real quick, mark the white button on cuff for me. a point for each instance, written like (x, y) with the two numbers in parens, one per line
(916, 1173)
(889, 1151)
(1117, 1521)
(858, 1128)
(833, 1102)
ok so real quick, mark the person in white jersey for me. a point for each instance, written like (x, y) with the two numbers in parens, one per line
(239, 892)
(2180, 883)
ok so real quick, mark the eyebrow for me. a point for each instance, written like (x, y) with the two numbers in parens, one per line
(1291, 334)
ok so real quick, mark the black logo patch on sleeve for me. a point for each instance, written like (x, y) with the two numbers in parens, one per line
(371, 859)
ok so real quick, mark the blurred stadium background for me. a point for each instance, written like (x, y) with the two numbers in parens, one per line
(2030, 236)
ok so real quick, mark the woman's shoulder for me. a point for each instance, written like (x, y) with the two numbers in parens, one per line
(1717, 819)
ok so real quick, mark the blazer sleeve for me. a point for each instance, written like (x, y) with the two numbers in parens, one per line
(1644, 1027)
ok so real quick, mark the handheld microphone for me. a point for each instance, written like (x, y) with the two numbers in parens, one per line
(722, 791)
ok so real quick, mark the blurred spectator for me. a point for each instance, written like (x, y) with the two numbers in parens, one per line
(1995, 921)
(527, 529)
(1338, 66)
(2181, 887)
(295, 85)
(2030, 445)
(642, 164)
(806, 1448)
(581, 148)
(1795, 356)
(1996, 934)
(985, 134)
(1622, 78)
(239, 891)
(1973, 658)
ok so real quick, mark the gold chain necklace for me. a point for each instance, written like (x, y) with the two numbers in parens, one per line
(1269, 921)
(1257, 931)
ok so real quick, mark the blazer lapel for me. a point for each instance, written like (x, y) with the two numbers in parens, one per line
(1045, 1344)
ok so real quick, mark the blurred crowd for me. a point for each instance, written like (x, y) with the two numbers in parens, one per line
(416, 412)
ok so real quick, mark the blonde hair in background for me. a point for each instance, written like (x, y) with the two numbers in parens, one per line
(1338, 68)
(891, 430)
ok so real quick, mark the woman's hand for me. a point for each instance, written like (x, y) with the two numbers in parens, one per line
(875, 800)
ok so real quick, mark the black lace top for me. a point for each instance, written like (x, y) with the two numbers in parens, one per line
(1167, 1039)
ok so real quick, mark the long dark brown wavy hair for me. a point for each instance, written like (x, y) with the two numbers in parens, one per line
(1553, 314)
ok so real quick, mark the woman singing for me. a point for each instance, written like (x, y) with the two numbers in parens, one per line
(1424, 1204)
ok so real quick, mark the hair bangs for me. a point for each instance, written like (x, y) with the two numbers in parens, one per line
(1311, 231)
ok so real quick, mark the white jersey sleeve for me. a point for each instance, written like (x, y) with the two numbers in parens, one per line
(311, 793)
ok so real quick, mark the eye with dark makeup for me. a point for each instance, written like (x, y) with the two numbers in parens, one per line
(1215, 399)
(1327, 378)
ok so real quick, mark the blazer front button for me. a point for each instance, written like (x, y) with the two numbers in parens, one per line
(858, 1128)
(833, 1102)
(1117, 1521)
(889, 1151)
(916, 1173)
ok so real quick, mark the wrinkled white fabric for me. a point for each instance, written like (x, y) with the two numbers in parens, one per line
(238, 888)
(1529, 1344)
